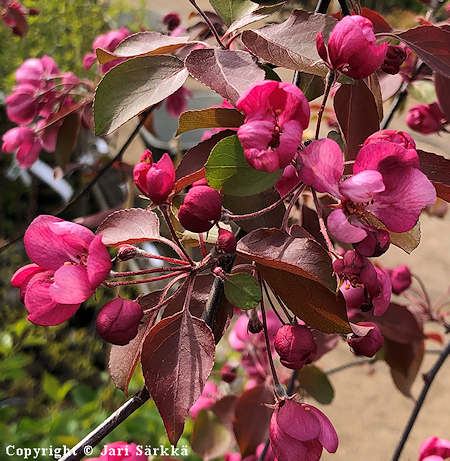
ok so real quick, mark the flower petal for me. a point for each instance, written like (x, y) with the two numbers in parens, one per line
(298, 421)
(98, 262)
(362, 186)
(322, 166)
(328, 437)
(71, 285)
(341, 228)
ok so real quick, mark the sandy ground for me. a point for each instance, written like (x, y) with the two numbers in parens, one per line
(368, 412)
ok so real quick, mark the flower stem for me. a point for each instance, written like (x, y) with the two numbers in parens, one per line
(293, 201)
(330, 80)
(208, 22)
(144, 254)
(428, 378)
(323, 228)
(148, 271)
(164, 209)
(136, 282)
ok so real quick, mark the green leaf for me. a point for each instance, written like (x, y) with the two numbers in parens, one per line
(230, 10)
(316, 383)
(50, 386)
(133, 86)
(243, 290)
(227, 169)
(214, 117)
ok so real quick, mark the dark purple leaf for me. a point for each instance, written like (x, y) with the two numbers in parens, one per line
(437, 169)
(442, 85)
(67, 139)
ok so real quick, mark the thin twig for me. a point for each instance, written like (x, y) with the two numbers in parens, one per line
(101, 431)
(428, 380)
(208, 22)
(355, 363)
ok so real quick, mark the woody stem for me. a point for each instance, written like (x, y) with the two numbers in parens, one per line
(330, 80)
(323, 228)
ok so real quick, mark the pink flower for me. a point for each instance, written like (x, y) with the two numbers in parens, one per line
(288, 180)
(299, 431)
(22, 106)
(397, 137)
(120, 451)
(395, 56)
(22, 140)
(14, 17)
(369, 344)
(72, 263)
(276, 113)
(376, 243)
(400, 279)
(206, 400)
(118, 321)
(425, 118)
(295, 345)
(352, 47)
(156, 180)
(228, 373)
(35, 71)
(358, 270)
(201, 209)
(176, 103)
(386, 182)
(434, 449)
(109, 42)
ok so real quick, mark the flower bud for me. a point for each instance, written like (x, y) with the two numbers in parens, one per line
(400, 279)
(172, 21)
(425, 118)
(376, 243)
(397, 137)
(295, 345)
(118, 321)
(434, 449)
(228, 373)
(369, 344)
(201, 208)
(156, 180)
(360, 59)
(254, 325)
(33, 11)
(395, 56)
(126, 252)
(226, 242)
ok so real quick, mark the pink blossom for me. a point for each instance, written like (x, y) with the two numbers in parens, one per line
(120, 451)
(118, 321)
(386, 182)
(228, 373)
(400, 279)
(13, 16)
(206, 400)
(288, 180)
(299, 431)
(35, 71)
(425, 118)
(72, 263)
(369, 344)
(352, 47)
(22, 106)
(176, 103)
(395, 56)
(23, 141)
(434, 449)
(376, 243)
(276, 113)
(109, 42)
(156, 180)
(397, 137)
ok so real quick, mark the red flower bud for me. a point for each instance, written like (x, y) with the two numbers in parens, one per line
(172, 21)
(228, 373)
(295, 345)
(126, 252)
(375, 244)
(400, 279)
(367, 345)
(395, 56)
(156, 180)
(425, 118)
(226, 242)
(118, 321)
(201, 208)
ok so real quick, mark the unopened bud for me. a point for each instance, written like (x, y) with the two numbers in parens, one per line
(400, 279)
(228, 373)
(375, 244)
(395, 56)
(254, 324)
(226, 242)
(127, 252)
(369, 344)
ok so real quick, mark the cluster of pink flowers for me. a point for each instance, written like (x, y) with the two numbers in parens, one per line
(14, 15)
(41, 92)
(426, 118)
(434, 449)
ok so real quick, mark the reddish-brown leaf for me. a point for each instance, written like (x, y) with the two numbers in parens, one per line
(177, 358)
(299, 270)
(192, 165)
(431, 44)
(224, 410)
(252, 418)
(133, 225)
(67, 139)
(291, 44)
(357, 115)
(404, 361)
(213, 117)
(437, 169)
(227, 72)
(442, 85)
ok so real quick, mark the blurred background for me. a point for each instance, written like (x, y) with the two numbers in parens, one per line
(54, 385)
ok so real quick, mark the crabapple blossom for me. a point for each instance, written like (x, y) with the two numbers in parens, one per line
(395, 56)
(23, 141)
(386, 182)
(434, 449)
(118, 321)
(228, 373)
(425, 118)
(201, 209)
(72, 263)
(400, 279)
(295, 345)
(226, 241)
(300, 431)
(376, 243)
(288, 180)
(176, 103)
(156, 180)
(14, 16)
(352, 47)
(206, 400)
(369, 344)
(396, 136)
(276, 113)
